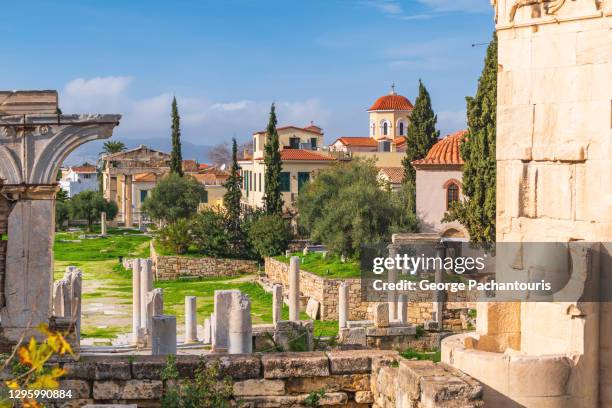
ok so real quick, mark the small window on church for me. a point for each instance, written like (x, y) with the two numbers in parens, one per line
(401, 129)
(452, 194)
(385, 129)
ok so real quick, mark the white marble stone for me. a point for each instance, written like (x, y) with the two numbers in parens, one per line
(240, 328)
(163, 335)
(294, 289)
(277, 303)
(191, 322)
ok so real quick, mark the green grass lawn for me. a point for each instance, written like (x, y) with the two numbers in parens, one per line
(127, 243)
(98, 259)
(331, 267)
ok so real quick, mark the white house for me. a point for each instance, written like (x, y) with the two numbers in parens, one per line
(79, 178)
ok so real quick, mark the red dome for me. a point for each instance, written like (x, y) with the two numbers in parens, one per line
(445, 151)
(392, 101)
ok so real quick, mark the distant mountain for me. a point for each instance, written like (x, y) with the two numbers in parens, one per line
(90, 152)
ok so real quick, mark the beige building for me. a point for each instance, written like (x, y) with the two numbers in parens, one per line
(301, 159)
(129, 176)
(438, 185)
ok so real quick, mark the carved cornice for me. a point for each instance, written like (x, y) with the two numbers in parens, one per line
(29, 192)
(549, 6)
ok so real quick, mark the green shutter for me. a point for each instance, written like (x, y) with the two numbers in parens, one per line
(285, 181)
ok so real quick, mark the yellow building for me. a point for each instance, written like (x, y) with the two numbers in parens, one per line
(301, 158)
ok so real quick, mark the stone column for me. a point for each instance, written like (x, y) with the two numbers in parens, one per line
(59, 287)
(103, 224)
(438, 301)
(402, 308)
(240, 327)
(163, 335)
(127, 200)
(207, 331)
(294, 289)
(146, 285)
(392, 277)
(343, 304)
(191, 322)
(76, 288)
(155, 307)
(277, 303)
(136, 297)
(223, 304)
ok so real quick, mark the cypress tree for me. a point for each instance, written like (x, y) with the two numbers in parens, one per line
(273, 201)
(421, 136)
(176, 156)
(477, 211)
(232, 196)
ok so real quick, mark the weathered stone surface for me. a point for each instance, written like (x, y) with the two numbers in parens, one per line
(240, 328)
(381, 315)
(349, 362)
(79, 388)
(127, 390)
(333, 399)
(99, 368)
(163, 335)
(287, 365)
(250, 388)
(238, 366)
(364, 397)
(333, 383)
(312, 309)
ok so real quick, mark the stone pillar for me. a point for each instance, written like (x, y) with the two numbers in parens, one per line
(191, 322)
(35, 140)
(240, 327)
(136, 298)
(223, 304)
(438, 301)
(277, 303)
(207, 331)
(103, 223)
(76, 288)
(402, 308)
(146, 285)
(343, 304)
(59, 288)
(128, 219)
(294, 289)
(163, 335)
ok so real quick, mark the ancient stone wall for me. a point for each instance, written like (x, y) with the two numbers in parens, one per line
(350, 378)
(174, 267)
(325, 291)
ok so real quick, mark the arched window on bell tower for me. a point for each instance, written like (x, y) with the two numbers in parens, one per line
(385, 129)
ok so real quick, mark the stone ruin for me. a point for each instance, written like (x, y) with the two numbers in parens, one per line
(34, 140)
(554, 184)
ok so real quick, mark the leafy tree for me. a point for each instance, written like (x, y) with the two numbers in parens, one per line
(477, 211)
(273, 200)
(176, 156)
(344, 207)
(174, 197)
(269, 235)
(62, 209)
(421, 136)
(209, 235)
(112, 146)
(89, 205)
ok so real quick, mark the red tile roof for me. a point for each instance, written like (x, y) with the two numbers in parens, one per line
(399, 140)
(83, 169)
(394, 174)
(310, 128)
(302, 155)
(445, 151)
(358, 141)
(190, 165)
(392, 102)
(203, 166)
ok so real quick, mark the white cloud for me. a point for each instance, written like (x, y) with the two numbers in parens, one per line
(203, 121)
(384, 6)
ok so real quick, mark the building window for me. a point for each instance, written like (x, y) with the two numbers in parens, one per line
(452, 194)
(303, 178)
(313, 143)
(205, 197)
(259, 184)
(373, 126)
(285, 181)
(294, 142)
(143, 195)
(384, 146)
(401, 129)
(385, 129)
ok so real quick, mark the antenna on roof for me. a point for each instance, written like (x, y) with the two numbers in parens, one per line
(393, 88)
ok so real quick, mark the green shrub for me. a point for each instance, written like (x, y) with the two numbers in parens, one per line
(268, 235)
(176, 236)
(174, 198)
(209, 235)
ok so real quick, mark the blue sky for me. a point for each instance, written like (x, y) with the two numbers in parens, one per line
(226, 61)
